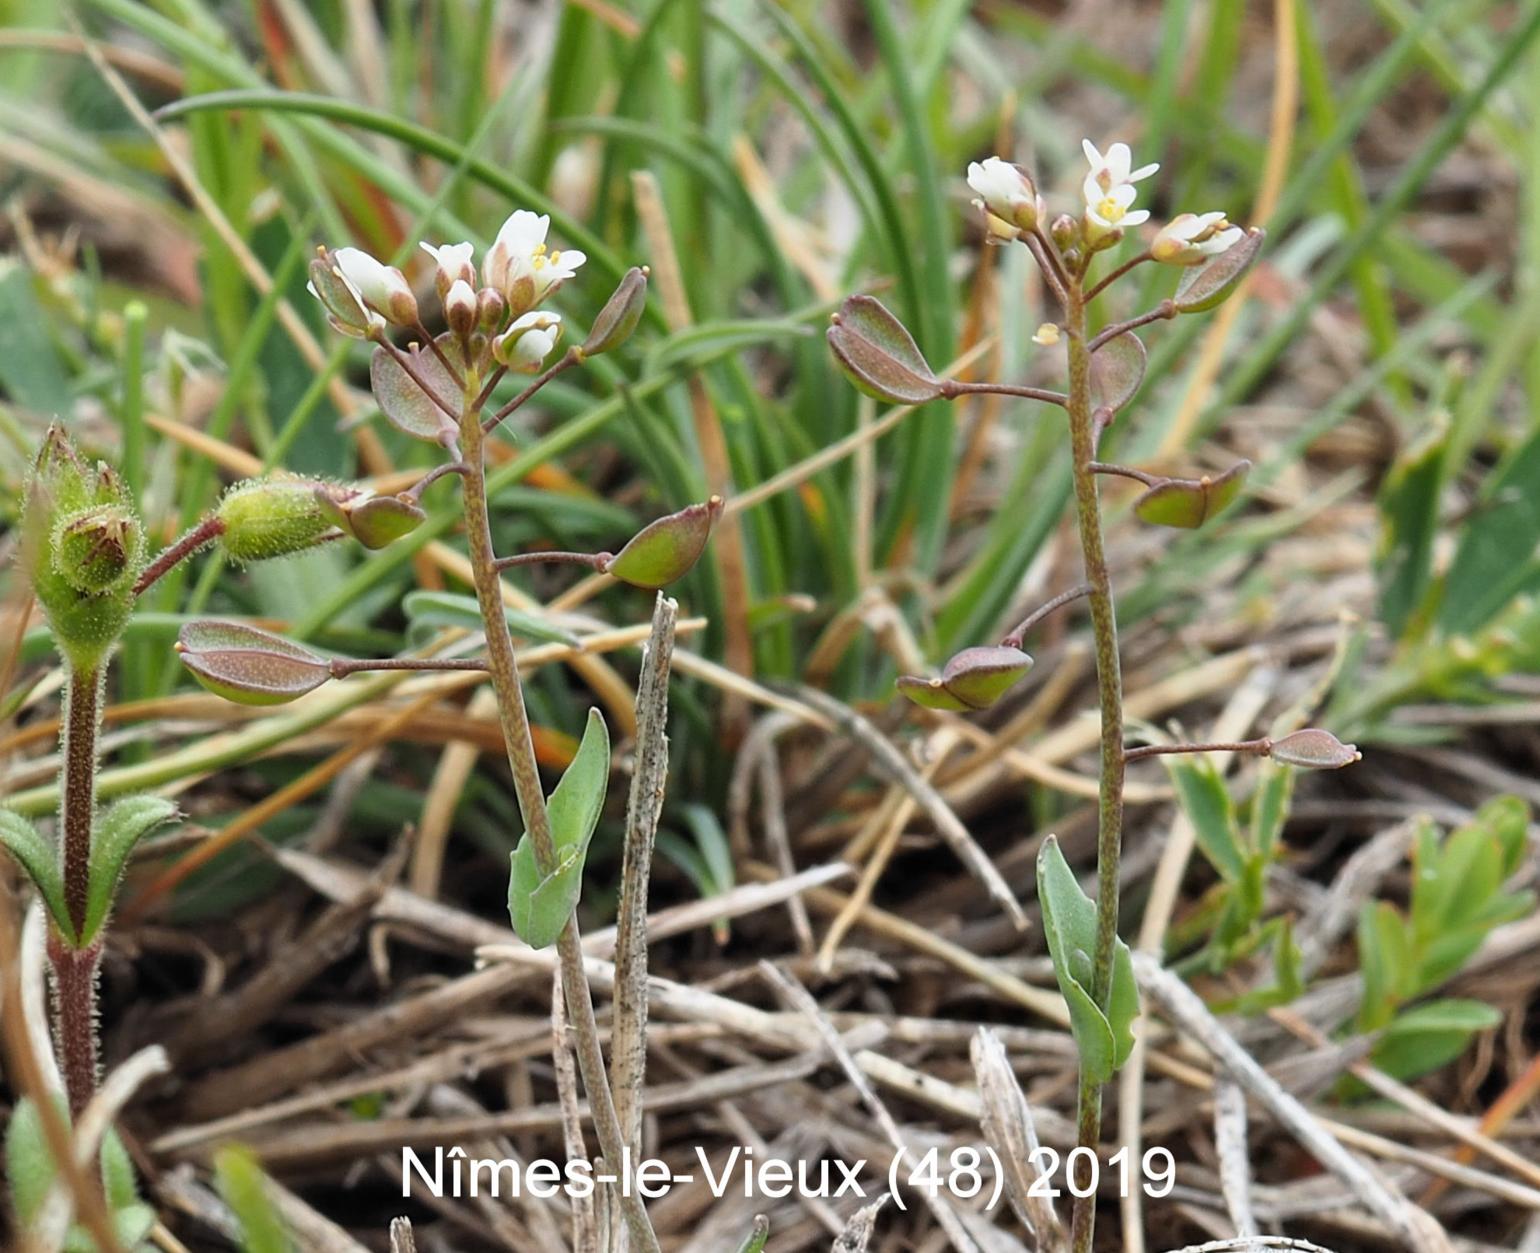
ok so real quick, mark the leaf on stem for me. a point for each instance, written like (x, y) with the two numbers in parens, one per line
(667, 549)
(1212, 284)
(975, 678)
(1189, 503)
(539, 905)
(118, 830)
(1117, 369)
(404, 403)
(1069, 922)
(247, 665)
(1314, 749)
(36, 856)
(879, 355)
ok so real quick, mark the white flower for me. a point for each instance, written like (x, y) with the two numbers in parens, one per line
(382, 287)
(521, 267)
(454, 265)
(1189, 238)
(1006, 193)
(528, 341)
(1110, 172)
(1111, 213)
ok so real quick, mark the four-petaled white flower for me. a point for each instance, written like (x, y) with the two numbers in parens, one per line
(528, 341)
(1111, 171)
(1112, 213)
(455, 264)
(1189, 238)
(1007, 196)
(521, 267)
(383, 287)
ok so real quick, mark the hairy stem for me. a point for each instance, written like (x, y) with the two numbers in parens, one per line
(503, 669)
(1254, 748)
(572, 358)
(1109, 683)
(1018, 636)
(205, 533)
(594, 561)
(74, 970)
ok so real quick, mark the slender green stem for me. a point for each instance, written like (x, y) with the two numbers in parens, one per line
(503, 670)
(1109, 683)
(74, 969)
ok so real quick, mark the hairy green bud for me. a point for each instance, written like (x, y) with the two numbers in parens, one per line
(82, 546)
(274, 517)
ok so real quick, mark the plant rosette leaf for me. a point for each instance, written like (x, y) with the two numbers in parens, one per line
(540, 905)
(1189, 503)
(1069, 922)
(878, 354)
(247, 665)
(36, 855)
(405, 405)
(118, 830)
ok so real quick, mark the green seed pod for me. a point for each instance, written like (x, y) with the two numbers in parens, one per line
(1314, 749)
(621, 312)
(247, 665)
(274, 517)
(878, 354)
(665, 550)
(99, 548)
(381, 520)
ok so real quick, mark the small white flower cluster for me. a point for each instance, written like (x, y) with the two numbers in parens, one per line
(519, 272)
(1009, 200)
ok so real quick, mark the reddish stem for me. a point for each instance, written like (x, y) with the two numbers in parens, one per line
(205, 533)
(74, 982)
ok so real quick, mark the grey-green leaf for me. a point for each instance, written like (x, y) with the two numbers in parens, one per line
(404, 403)
(1117, 369)
(1069, 922)
(36, 856)
(539, 906)
(435, 610)
(118, 830)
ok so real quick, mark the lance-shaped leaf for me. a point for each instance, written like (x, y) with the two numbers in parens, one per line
(404, 403)
(621, 312)
(118, 830)
(1069, 923)
(1117, 369)
(249, 666)
(1189, 503)
(432, 611)
(36, 856)
(1314, 749)
(1206, 286)
(665, 550)
(879, 354)
(539, 905)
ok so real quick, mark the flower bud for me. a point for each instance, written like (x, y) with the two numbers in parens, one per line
(490, 307)
(665, 550)
(1006, 194)
(382, 287)
(82, 547)
(344, 306)
(460, 308)
(1191, 238)
(1065, 232)
(248, 666)
(98, 548)
(621, 312)
(1046, 335)
(273, 517)
(528, 341)
(455, 265)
